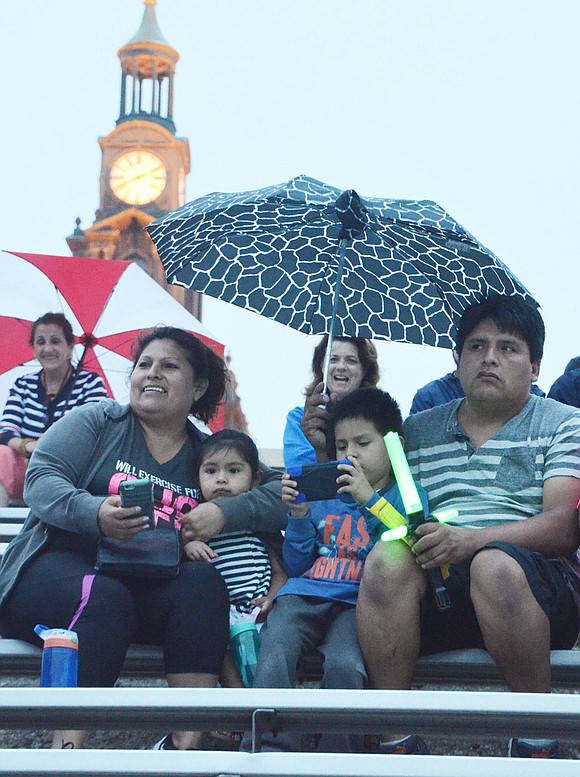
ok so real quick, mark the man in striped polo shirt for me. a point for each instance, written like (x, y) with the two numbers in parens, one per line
(509, 462)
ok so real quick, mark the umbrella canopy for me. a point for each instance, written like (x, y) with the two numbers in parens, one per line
(107, 303)
(400, 270)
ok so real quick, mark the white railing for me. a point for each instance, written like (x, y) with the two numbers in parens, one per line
(298, 710)
(122, 763)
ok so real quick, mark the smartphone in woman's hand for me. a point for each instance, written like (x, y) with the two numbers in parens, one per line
(139, 493)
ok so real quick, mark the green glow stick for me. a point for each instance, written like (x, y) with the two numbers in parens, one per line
(414, 510)
(395, 534)
(402, 532)
(403, 475)
(444, 516)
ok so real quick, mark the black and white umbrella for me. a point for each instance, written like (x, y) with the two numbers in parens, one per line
(329, 262)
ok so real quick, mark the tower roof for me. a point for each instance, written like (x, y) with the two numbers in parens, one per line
(149, 30)
(149, 40)
(147, 73)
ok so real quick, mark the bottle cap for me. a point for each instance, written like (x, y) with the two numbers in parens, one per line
(64, 642)
(57, 637)
(238, 628)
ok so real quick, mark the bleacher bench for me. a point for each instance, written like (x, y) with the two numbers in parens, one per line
(465, 667)
(458, 667)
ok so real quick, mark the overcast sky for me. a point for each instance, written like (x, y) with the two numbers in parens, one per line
(472, 104)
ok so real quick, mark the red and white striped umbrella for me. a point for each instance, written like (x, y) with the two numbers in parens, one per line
(107, 303)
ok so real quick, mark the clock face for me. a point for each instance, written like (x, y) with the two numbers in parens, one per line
(138, 177)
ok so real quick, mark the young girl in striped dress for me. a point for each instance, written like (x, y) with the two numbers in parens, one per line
(228, 465)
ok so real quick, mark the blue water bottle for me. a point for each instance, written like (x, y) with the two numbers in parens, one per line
(245, 647)
(60, 657)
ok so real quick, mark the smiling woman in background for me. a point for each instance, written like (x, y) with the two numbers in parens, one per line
(39, 399)
(353, 364)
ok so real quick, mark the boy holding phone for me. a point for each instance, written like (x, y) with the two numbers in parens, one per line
(325, 547)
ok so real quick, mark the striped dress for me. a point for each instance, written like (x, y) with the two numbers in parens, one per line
(27, 415)
(244, 564)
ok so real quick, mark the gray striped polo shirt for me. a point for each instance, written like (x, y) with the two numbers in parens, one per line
(503, 479)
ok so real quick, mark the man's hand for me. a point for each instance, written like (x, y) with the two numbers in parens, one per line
(439, 543)
(120, 523)
(314, 422)
(202, 523)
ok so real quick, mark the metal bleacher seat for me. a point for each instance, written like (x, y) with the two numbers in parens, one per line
(259, 710)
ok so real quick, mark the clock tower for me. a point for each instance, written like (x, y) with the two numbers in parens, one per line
(144, 163)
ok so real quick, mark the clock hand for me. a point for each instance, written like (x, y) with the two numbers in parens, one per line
(142, 175)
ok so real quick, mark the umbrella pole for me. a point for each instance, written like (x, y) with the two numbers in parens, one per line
(337, 293)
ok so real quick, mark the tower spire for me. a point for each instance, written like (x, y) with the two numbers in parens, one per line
(147, 73)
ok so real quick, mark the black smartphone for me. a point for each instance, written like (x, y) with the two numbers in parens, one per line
(139, 493)
(317, 481)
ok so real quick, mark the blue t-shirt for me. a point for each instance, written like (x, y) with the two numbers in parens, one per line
(324, 552)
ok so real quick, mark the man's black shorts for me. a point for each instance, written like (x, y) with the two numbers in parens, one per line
(458, 627)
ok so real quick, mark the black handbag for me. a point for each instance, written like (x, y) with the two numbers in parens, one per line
(151, 553)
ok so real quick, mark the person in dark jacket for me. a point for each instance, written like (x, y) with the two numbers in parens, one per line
(566, 388)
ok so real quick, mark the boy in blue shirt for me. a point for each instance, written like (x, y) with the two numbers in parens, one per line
(325, 547)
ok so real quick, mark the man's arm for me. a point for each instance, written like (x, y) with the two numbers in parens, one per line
(553, 532)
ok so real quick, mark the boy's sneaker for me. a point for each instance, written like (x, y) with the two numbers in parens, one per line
(533, 748)
(165, 744)
(411, 745)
